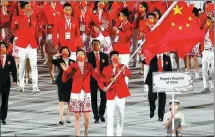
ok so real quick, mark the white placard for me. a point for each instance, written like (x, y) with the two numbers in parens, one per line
(172, 82)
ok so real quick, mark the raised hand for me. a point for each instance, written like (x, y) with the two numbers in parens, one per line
(63, 66)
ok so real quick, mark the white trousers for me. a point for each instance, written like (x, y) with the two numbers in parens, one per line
(146, 70)
(119, 104)
(124, 59)
(207, 59)
(30, 53)
(73, 56)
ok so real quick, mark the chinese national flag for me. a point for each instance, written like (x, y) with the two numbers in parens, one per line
(179, 32)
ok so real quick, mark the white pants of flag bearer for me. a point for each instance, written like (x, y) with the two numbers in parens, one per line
(119, 105)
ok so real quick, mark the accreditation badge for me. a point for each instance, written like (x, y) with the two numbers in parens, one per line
(67, 35)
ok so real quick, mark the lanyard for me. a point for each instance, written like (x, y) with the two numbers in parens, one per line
(122, 24)
(68, 24)
(82, 15)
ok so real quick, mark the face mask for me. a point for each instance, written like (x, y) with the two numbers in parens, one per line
(208, 24)
(81, 58)
(28, 9)
(121, 18)
(65, 54)
(96, 48)
(115, 60)
(141, 10)
(157, 16)
(101, 5)
(151, 21)
(3, 51)
(67, 13)
(83, 4)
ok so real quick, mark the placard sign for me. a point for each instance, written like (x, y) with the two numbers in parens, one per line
(172, 82)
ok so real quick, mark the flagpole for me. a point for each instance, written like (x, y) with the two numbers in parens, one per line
(156, 25)
(126, 64)
(164, 15)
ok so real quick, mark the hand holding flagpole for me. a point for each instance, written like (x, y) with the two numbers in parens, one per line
(156, 25)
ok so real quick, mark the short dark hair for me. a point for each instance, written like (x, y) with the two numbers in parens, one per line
(67, 4)
(22, 4)
(206, 2)
(80, 50)
(196, 11)
(159, 13)
(95, 40)
(125, 12)
(151, 14)
(64, 47)
(113, 52)
(145, 5)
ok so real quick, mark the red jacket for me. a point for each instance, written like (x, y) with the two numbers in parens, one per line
(81, 81)
(98, 23)
(4, 20)
(25, 33)
(119, 87)
(62, 29)
(124, 42)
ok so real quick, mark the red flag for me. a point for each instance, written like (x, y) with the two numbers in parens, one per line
(180, 31)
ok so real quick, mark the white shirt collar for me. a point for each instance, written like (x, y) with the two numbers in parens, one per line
(96, 52)
(158, 55)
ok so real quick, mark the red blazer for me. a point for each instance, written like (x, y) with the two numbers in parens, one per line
(81, 81)
(118, 88)
(85, 19)
(61, 29)
(4, 19)
(98, 23)
(124, 42)
(25, 33)
(144, 28)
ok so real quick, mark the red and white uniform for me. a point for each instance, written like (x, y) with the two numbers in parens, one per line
(27, 43)
(50, 17)
(116, 96)
(100, 18)
(81, 73)
(84, 16)
(122, 42)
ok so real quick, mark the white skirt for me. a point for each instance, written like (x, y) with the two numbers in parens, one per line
(80, 102)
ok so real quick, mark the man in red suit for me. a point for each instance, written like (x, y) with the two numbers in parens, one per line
(122, 40)
(68, 29)
(26, 41)
(117, 92)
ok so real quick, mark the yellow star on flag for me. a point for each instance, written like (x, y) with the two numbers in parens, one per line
(187, 25)
(190, 19)
(173, 24)
(177, 10)
(180, 27)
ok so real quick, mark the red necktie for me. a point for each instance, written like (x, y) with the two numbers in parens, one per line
(2, 61)
(160, 69)
(97, 63)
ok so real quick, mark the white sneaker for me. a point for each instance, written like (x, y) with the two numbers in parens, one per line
(36, 90)
(21, 89)
(197, 75)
